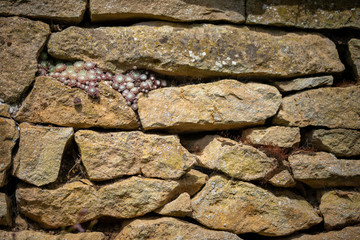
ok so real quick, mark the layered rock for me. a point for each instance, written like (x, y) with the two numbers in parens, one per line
(323, 169)
(354, 56)
(310, 14)
(195, 50)
(20, 43)
(40, 152)
(30, 234)
(71, 11)
(224, 104)
(304, 83)
(173, 10)
(5, 210)
(52, 102)
(114, 154)
(180, 207)
(347, 233)
(335, 107)
(242, 207)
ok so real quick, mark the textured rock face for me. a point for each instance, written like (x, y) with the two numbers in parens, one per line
(275, 136)
(192, 182)
(64, 206)
(52, 102)
(180, 207)
(341, 142)
(196, 51)
(283, 179)
(40, 152)
(235, 160)
(242, 207)
(310, 14)
(224, 104)
(329, 107)
(169, 228)
(33, 235)
(340, 208)
(5, 210)
(354, 56)
(173, 10)
(4, 110)
(344, 234)
(324, 170)
(61, 10)
(111, 155)
(303, 83)
(8, 136)
(20, 43)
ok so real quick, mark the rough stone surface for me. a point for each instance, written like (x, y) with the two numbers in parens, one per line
(340, 208)
(114, 154)
(354, 56)
(173, 10)
(82, 201)
(4, 110)
(341, 142)
(323, 169)
(40, 152)
(195, 50)
(180, 207)
(236, 160)
(335, 107)
(242, 207)
(20, 43)
(8, 136)
(60, 10)
(52, 102)
(286, 137)
(192, 182)
(169, 228)
(33, 235)
(304, 83)
(283, 179)
(224, 104)
(309, 14)
(5, 210)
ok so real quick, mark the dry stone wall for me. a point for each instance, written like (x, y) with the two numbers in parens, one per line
(255, 136)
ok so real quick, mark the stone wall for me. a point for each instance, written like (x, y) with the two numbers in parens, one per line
(256, 136)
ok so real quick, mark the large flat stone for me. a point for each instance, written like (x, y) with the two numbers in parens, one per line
(320, 14)
(219, 105)
(335, 107)
(196, 50)
(20, 43)
(354, 56)
(114, 154)
(52, 102)
(168, 10)
(61, 10)
(37, 235)
(242, 207)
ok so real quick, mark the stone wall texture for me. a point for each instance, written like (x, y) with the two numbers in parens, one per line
(179, 119)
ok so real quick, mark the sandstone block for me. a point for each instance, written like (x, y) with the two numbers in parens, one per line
(180, 207)
(5, 210)
(4, 110)
(242, 207)
(20, 43)
(304, 83)
(192, 182)
(195, 51)
(282, 179)
(34, 235)
(40, 152)
(310, 14)
(224, 104)
(335, 107)
(354, 56)
(323, 169)
(173, 10)
(52, 102)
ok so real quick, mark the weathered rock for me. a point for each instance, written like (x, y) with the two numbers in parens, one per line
(224, 104)
(310, 14)
(286, 137)
(242, 207)
(236, 160)
(20, 43)
(4, 110)
(8, 136)
(303, 83)
(81, 201)
(195, 51)
(282, 179)
(341, 142)
(173, 10)
(335, 107)
(180, 207)
(340, 208)
(323, 169)
(114, 154)
(52, 102)
(33, 235)
(40, 152)
(5, 210)
(354, 56)
(169, 228)
(65, 10)
(192, 182)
